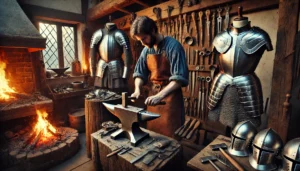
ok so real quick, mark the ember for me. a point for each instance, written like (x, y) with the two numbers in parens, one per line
(5, 89)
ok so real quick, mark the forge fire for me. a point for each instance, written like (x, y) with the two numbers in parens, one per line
(5, 88)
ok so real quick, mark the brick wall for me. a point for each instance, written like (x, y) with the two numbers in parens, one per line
(19, 69)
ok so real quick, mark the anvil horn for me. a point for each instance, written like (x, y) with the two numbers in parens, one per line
(146, 116)
(110, 107)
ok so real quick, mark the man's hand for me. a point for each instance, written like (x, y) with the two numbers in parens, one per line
(153, 100)
(136, 94)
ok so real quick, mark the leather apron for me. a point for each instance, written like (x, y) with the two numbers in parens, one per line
(172, 112)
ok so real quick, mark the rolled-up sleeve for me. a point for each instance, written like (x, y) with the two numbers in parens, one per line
(179, 68)
(141, 69)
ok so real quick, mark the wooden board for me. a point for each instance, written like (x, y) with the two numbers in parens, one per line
(248, 6)
(106, 7)
(196, 164)
(103, 146)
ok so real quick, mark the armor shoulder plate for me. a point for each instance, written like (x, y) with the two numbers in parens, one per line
(122, 39)
(96, 38)
(254, 40)
(222, 42)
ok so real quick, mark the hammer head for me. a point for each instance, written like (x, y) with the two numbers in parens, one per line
(217, 146)
(207, 158)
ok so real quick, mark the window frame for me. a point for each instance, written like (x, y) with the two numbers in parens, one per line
(60, 48)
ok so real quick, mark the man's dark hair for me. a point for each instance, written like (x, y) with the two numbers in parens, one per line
(142, 25)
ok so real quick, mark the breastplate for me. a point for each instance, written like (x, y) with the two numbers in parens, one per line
(240, 51)
(109, 48)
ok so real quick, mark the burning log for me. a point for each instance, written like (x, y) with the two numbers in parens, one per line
(34, 142)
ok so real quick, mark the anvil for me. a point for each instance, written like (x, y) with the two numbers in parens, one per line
(129, 117)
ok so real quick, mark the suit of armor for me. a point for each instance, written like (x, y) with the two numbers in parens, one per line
(111, 71)
(240, 51)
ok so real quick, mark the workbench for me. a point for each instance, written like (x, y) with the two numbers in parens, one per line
(169, 159)
(195, 162)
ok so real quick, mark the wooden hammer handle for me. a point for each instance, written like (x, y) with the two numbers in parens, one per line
(231, 160)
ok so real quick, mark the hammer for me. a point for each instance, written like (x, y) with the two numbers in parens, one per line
(226, 155)
(210, 159)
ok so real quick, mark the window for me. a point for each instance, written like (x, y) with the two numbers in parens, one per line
(61, 47)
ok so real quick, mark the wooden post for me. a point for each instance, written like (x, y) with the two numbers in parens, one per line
(95, 114)
(283, 65)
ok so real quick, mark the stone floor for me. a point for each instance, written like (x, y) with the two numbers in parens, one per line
(78, 162)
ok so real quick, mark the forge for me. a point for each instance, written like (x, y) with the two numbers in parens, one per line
(39, 145)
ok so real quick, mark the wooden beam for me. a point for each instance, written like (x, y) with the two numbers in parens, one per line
(106, 7)
(283, 65)
(141, 3)
(52, 14)
(122, 10)
(248, 6)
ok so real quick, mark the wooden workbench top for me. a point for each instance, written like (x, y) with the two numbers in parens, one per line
(106, 145)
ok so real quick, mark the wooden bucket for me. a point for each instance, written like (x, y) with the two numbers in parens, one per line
(77, 119)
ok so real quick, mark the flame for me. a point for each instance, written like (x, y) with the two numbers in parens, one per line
(4, 87)
(84, 69)
(43, 125)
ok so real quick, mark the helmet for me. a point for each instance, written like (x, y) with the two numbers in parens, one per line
(291, 155)
(241, 138)
(266, 145)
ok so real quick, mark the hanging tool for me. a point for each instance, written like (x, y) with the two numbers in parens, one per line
(171, 28)
(157, 12)
(165, 24)
(227, 8)
(169, 10)
(186, 105)
(203, 97)
(180, 28)
(207, 13)
(213, 22)
(180, 4)
(200, 14)
(204, 53)
(219, 20)
(187, 21)
(208, 80)
(196, 57)
(184, 23)
(195, 25)
(175, 28)
(199, 98)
